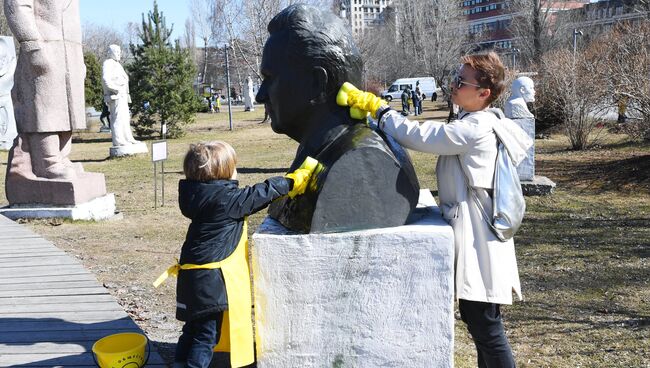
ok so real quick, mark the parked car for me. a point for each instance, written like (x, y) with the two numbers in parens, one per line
(427, 87)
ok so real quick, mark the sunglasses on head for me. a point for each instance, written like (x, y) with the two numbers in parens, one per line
(459, 82)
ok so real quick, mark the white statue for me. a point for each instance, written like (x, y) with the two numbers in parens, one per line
(523, 90)
(116, 96)
(7, 68)
(248, 95)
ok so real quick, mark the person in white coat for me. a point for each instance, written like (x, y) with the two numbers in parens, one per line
(485, 268)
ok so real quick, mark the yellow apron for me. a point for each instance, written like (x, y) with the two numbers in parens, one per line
(237, 325)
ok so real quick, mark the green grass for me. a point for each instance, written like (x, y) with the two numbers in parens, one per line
(582, 252)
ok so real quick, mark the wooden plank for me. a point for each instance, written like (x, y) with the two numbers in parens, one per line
(58, 359)
(34, 279)
(32, 253)
(31, 246)
(56, 299)
(77, 337)
(16, 272)
(94, 290)
(77, 316)
(10, 235)
(28, 309)
(54, 324)
(54, 261)
(56, 285)
(25, 243)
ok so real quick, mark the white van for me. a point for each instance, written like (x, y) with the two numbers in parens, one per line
(427, 87)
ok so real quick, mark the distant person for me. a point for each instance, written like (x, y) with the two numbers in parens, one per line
(106, 114)
(210, 107)
(217, 101)
(406, 95)
(622, 109)
(418, 93)
(214, 256)
(416, 97)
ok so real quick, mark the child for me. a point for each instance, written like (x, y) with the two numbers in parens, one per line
(213, 288)
(485, 268)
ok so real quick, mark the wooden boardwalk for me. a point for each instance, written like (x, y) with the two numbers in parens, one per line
(52, 310)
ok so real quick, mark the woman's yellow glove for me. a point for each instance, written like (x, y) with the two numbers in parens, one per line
(302, 176)
(361, 103)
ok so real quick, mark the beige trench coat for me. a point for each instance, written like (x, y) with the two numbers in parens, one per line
(49, 83)
(485, 268)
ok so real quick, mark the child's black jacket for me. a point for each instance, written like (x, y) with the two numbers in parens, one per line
(217, 209)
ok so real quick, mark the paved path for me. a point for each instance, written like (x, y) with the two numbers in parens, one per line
(52, 310)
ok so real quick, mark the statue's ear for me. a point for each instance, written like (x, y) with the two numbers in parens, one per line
(319, 85)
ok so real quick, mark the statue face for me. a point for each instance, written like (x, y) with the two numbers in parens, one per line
(285, 91)
(524, 87)
(528, 91)
(115, 52)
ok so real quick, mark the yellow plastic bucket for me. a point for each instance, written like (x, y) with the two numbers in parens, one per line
(122, 350)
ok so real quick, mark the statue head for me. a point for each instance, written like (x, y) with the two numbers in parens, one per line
(523, 87)
(308, 56)
(115, 52)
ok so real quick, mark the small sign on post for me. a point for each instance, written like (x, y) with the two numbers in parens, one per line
(158, 154)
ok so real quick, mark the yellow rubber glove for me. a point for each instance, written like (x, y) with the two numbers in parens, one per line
(361, 103)
(302, 176)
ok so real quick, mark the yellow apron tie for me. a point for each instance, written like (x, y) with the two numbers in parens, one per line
(237, 325)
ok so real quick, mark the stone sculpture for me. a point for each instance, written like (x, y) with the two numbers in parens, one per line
(115, 82)
(248, 95)
(368, 181)
(7, 68)
(523, 91)
(49, 104)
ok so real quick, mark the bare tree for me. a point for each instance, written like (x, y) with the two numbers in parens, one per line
(96, 39)
(626, 50)
(572, 87)
(420, 37)
(203, 19)
(537, 27)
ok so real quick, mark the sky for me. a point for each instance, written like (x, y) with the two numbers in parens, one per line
(116, 14)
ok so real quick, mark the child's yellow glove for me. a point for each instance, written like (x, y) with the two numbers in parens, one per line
(303, 175)
(361, 103)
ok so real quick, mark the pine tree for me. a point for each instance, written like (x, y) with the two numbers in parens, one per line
(93, 82)
(161, 77)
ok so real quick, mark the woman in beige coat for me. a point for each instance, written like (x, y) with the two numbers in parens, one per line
(485, 268)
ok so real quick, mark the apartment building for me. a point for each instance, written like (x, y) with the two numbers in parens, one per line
(489, 21)
(363, 14)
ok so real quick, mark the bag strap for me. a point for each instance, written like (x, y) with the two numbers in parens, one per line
(472, 192)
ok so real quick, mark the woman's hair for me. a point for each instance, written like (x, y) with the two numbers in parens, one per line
(490, 72)
(209, 161)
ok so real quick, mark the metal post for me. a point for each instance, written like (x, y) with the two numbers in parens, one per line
(576, 32)
(155, 186)
(162, 172)
(228, 93)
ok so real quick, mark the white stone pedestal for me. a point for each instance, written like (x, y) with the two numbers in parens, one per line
(128, 150)
(102, 208)
(373, 298)
(526, 169)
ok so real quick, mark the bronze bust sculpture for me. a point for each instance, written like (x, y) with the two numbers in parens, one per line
(368, 181)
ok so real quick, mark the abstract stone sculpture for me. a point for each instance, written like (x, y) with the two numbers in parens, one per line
(368, 181)
(7, 68)
(49, 104)
(115, 82)
(248, 95)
